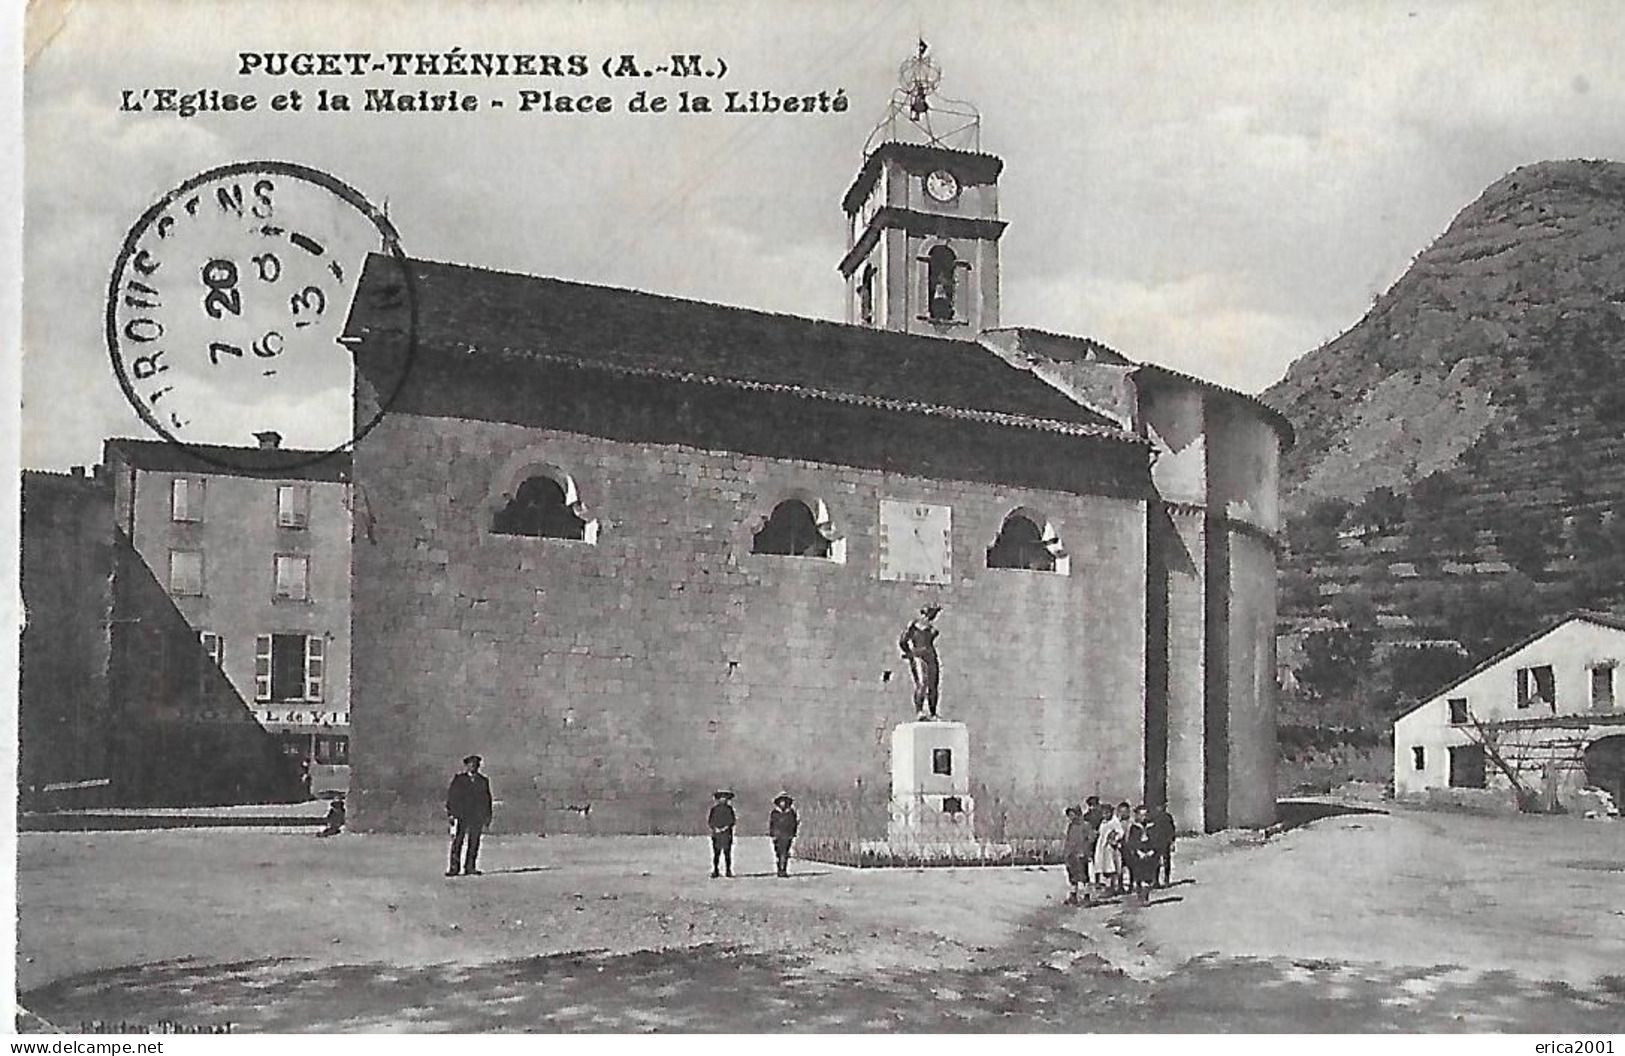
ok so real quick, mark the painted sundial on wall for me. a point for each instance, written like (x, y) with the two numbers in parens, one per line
(916, 542)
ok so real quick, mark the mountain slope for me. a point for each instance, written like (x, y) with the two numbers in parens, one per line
(1459, 477)
(1516, 311)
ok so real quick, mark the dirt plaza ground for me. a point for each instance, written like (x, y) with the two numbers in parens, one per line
(1354, 922)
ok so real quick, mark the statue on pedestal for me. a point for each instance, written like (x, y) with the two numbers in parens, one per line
(918, 645)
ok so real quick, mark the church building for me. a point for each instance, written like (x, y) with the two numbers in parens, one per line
(632, 548)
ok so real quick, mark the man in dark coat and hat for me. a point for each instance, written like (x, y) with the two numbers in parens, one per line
(721, 821)
(781, 825)
(468, 804)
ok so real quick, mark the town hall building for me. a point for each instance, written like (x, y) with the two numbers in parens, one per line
(631, 548)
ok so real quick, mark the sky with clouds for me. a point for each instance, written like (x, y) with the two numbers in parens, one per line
(1215, 187)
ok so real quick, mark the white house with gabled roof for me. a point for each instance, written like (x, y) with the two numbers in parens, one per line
(1551, 706)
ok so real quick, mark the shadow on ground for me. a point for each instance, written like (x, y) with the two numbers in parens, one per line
(1292, 813)
(713, 988)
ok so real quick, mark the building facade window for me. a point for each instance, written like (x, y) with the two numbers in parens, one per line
(292, 577)
(545, 508)
(791, 530)
(1419, 758)
(186, 573)
(289, 667)
(799, 526)
(292, 505)
(1028, 541)
(1458, 711)
(209, 658)
(214, 647)
(315, 667)
(185, 499)
(941, 283)
(1537, 685)
(866, 296)
(332, 749)
(1467, 766)
(1602, 686)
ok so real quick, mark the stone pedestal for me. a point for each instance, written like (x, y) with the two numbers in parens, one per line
(931, 806)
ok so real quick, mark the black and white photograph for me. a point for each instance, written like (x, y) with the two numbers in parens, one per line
(921, 517)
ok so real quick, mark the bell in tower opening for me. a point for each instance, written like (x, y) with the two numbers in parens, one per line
(923, 223)
(939, 272)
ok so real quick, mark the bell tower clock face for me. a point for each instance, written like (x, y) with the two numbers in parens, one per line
(916, 542)
(942, 185)
(922, 218)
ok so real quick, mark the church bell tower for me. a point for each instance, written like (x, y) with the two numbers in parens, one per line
(923, 223)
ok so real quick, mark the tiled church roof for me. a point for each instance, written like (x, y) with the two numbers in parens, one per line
(501, 316)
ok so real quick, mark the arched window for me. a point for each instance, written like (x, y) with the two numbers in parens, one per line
(866, 296)
(544, 508)
(1027, 541)
(793, 531)
(940, 281)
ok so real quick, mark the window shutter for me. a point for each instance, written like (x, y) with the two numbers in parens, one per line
(262, 667)
(1546, 686)
(185, 499)
(293, 505)
(315, 666)
(293, 576)
(185, 572)
(1602, 686)
(205, 656)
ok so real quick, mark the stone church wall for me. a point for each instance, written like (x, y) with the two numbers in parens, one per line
(1182, 573)
(1242, 457)
(1251, 696)
(1215, 588)
(1242, 465)
(1175, 421)
(611, 686)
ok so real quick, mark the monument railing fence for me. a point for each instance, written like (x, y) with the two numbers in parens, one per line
(852, 830)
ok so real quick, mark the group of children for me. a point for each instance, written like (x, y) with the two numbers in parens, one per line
(782, 824)
(1117, 852)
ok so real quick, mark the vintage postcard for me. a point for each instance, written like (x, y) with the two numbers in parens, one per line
(868, 517)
